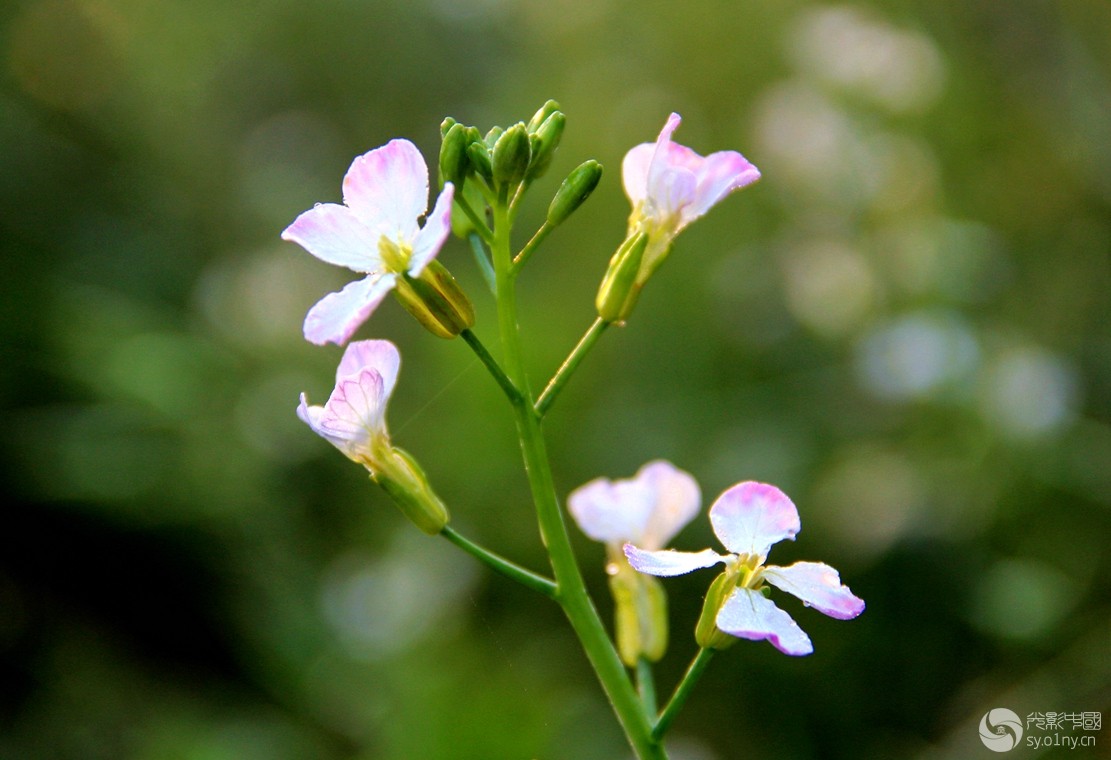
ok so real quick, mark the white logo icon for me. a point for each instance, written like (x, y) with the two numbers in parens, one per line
(1000, 730)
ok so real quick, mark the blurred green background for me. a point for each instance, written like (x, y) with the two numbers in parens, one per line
(905, 325)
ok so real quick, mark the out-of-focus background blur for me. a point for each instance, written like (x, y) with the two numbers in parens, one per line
(905, 325)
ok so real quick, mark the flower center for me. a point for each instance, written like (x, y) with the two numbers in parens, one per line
(394, 255)
(747, 572)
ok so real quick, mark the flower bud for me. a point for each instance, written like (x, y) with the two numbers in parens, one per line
(511, 155)
(479, 156)
(578, 186)
(544, 143)
(453, 156)
(706, 632)
(436, 300)
(446, 124)
(492, 136)
(619, 292)
(404, 480)
(542, 115)
(640, 615)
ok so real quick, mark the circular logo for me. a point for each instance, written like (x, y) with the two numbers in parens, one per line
(1000, 730)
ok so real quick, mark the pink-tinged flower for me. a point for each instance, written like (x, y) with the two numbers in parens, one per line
(376, 232)
(748, 518)
(648, 509)
(669, 186)
(354, 417)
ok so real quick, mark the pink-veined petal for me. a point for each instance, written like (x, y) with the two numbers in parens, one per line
(669, 562)
(356, 410)
(751, 516)
(748, 614)
(611, 512)
(333, 233)
(387, 188)
(336, 316)
(677, 500)
(378, 355)
(659, 162)
(718, 175)
(634, 171)
(819, 586)
(430, 238)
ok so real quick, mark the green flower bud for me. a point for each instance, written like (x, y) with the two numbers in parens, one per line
(578, 186)
(492, 136)
(453, 156)
(541, 116)
(445, 125)
(511, 155)
(479, 157)
(404, 480)
(544, 143)
(619, 292)
(436, 300)
(640, 615)
(706, 632)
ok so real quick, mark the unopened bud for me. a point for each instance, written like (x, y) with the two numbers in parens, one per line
(446, 124)
(492, 136)
(435, 299)
(578, 186)
(619, 292)
(453, 156)
(479, 157)
(544, 142)
(404, 480)
(706, 632)
(542, 115)
(511, 155)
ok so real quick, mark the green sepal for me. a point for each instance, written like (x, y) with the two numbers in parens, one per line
(542, 115)
(436, 301)
(706, 631)
(578, 186)
(618, 292)
(454, 162)
(640, 615)
(479, 156)
(544, 142)
(404, 480)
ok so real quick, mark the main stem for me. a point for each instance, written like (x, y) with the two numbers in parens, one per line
(570, 590)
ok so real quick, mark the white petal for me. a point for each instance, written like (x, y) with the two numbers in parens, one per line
(819, 586)
(336, 316)
(333, 233)
(718, 175)
(634, 171)
(751, 516)
(355, 412)
(748, 614)
(379, 355)
(387, 189)
(670, 562)
(677, 500)
(430, 239)
(611, 512)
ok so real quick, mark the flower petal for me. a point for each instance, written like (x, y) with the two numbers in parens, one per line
(336, 317)
(751, 516)
(677, 500)
(387, 189)
(659, 163)
(356, 410)
(430, 238)
(819, 586)
(749, 614)
(333, 233)
(634, 171)
(670, 562)
(611, 512)
(718, 175)
(379, 355)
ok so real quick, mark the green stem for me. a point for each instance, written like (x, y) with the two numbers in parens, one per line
(646, 685)
(483, 261)
(530, 246)
(570, 364)
(571, 591)
(507, 385)
(682, 691)
(501, 565)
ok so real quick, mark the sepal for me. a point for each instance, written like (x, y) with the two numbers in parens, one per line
(578, 186)
(435, 299)
(619, 290)
(404, 480)
(706, 631)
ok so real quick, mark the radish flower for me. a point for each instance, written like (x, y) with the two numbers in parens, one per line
(375, 231)
(748, 519)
